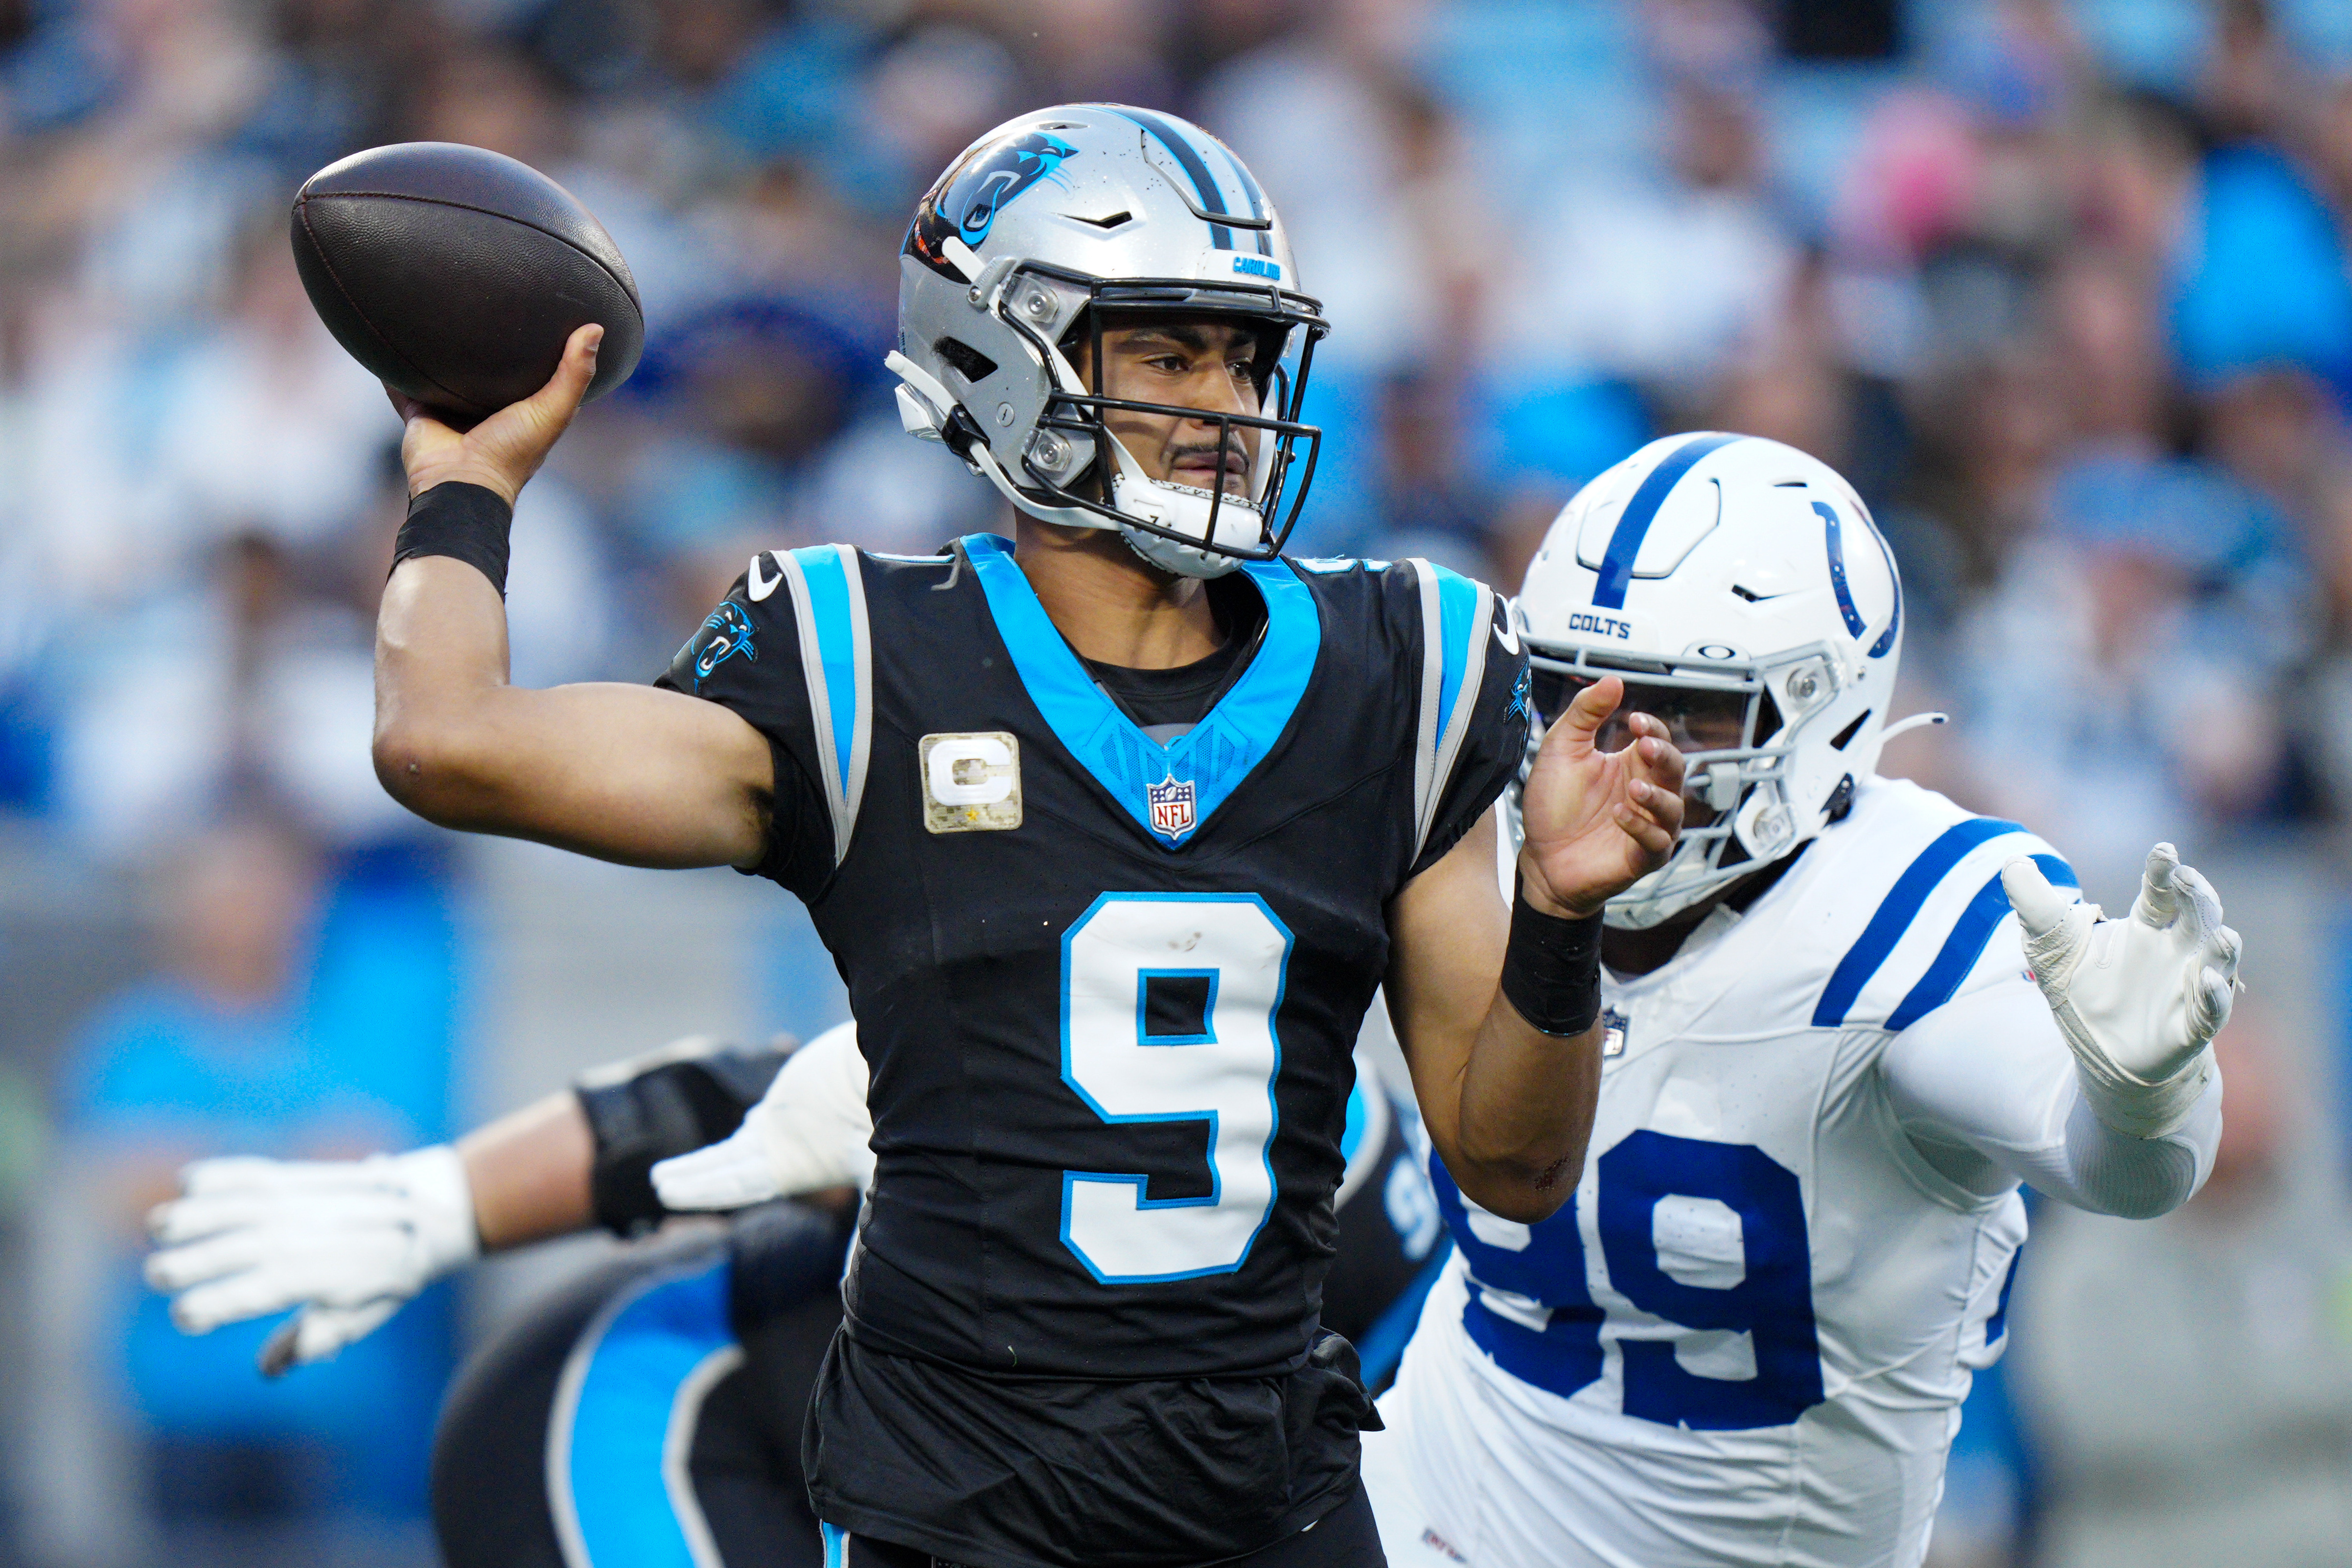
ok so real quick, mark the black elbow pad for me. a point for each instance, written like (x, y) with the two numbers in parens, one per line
(670, 1101)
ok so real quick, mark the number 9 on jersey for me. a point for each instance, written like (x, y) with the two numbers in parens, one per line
(1224, 955)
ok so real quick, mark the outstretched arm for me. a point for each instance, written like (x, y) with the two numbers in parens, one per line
(623, 773)
(2095, 1085)
(1508, 1106)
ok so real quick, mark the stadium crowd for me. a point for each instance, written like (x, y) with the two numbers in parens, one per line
(2062, 286)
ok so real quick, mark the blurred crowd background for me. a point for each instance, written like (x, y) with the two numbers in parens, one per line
(2061, 285)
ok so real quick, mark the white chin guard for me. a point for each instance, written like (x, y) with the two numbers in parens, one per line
(1180, 508)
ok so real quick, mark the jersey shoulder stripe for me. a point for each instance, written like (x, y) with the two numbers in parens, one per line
(1962, 950)
(1928, 931)
(828, 593)
(1456, 614)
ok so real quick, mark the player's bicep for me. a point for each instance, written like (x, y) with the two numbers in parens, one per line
(627, 773)
(1987, 1070)
(1447, 930)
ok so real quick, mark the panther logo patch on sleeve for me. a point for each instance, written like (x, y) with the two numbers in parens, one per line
(725, 632)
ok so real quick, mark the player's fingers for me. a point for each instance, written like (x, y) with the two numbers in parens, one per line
(2158, 901)
(1659, 804)
(1659, 757)
(2225, 950)
(557, 401)
(731, 1174)
(1575, 728)
(2039, 906)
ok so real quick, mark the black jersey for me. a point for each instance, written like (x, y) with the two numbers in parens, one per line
(1109, 989)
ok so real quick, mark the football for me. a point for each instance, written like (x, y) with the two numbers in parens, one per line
(456, 274)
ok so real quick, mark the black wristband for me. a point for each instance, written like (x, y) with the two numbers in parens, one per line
(1551, 970)
(465, 521)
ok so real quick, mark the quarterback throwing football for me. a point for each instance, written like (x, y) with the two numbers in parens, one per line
(1844, 1021)
(1114, 831)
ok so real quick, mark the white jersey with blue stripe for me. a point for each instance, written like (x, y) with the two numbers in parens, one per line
(1747, 1336)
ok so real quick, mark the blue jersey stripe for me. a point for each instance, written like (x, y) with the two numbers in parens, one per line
(1897, 910)
(1216, 754)
(1189, 158)
(1966, 944)
(1457, 605)
(647, 1355)
(837, 640)
(1633, 523)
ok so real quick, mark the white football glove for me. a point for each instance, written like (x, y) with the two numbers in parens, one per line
(347, 1241)
(2138, 999)
(809, 1131)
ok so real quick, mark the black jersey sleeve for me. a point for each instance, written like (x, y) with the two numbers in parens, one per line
(787, 649)
(1486, 758)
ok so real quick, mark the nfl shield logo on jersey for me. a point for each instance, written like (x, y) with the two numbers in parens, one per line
(1614, 1026)
(1172, 805)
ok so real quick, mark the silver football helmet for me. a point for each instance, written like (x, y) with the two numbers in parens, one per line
(1041, 226)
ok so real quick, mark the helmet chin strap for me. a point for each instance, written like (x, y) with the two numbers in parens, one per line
(1180, 509)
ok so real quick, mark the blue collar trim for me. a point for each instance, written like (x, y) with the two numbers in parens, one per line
(1215, 755)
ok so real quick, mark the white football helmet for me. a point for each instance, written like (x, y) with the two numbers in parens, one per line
(1743, 574)
(1041, 225)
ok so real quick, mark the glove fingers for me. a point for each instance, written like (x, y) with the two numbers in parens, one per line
(2158, 901)
(732, 1175)
(255, 1293)
(253, 1175)
(2210, 1000)
(2200, 911)
(2041, 907)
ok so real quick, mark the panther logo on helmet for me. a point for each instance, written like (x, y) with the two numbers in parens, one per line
(968, 196)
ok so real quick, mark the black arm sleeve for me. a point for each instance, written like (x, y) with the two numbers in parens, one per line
(1491, 754)
(746, 657)
(667, 1102)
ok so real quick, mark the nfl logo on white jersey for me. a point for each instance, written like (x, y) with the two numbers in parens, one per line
(1172, 805)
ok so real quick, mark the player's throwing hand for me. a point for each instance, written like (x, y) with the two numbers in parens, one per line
(504, 450)
(2138, 999)
(1596, 820)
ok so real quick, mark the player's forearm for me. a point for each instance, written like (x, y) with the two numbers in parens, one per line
(1524, 1112)
(2110, 1171)
(530, 1172)
(440, 663)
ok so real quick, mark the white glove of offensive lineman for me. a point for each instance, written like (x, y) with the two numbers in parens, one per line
(2138, 999)
(347, 1241)
(809, 1131)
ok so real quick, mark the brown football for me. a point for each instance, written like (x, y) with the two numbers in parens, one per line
(456, 274)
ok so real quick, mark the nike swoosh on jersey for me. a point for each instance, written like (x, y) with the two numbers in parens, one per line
(760, 589)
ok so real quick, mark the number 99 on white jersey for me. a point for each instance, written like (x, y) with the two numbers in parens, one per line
(1224, 1075)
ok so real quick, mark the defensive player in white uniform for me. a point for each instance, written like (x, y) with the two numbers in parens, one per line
(1747, 1338)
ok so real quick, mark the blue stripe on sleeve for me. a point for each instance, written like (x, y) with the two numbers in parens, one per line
(1633, 523)
(1457, 608)
(1966, 944)
(828, 591)
(1897, 910)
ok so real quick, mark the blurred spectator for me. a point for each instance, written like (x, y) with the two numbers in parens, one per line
(281, 1024)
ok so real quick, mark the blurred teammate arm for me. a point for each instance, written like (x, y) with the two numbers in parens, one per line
(623, 773)
(2094, 1082)
(349, 1242)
